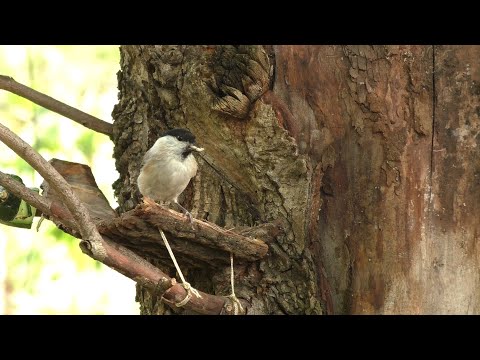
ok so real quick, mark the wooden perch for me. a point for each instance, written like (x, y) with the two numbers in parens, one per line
(138, 229)
(144, 222)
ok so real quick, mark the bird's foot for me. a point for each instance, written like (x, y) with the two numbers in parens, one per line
(187, 214)
(190, 217)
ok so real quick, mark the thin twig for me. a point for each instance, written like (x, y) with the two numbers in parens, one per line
(89, 121)
(86, 226)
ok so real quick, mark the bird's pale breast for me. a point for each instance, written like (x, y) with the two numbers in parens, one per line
(165, 180)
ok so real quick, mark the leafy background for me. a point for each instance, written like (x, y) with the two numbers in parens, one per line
(45, 272)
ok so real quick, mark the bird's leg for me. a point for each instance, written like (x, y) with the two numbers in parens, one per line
(185, 211)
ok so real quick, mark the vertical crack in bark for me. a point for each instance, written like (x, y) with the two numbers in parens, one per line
(434, 105)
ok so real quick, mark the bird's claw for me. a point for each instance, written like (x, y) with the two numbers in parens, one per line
(186, 213)
(190, 218)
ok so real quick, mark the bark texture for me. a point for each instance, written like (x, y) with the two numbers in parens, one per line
(251, 172)
(452, 251)
(364, 156)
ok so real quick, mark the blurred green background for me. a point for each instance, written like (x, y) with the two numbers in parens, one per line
(45, 272)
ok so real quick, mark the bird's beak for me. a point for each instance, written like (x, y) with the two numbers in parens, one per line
(196, 148)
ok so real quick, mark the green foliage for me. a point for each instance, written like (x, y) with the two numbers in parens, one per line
(46, 138)
(85, 143)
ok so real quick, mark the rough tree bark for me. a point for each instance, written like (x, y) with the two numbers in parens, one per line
(364, 156)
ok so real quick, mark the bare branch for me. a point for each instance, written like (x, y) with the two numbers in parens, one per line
(89, 121)
(207, 243)
(86, 226)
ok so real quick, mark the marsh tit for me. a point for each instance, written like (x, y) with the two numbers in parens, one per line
(167, 168)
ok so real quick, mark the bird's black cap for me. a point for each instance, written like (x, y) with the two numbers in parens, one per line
(181, 134)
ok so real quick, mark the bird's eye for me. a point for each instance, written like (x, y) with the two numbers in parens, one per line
(179, 138)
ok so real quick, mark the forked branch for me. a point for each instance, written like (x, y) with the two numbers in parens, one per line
(80, 214)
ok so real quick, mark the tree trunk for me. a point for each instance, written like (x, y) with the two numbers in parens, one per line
(362, 157)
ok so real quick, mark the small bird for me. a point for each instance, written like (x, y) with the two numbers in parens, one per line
(167, 168)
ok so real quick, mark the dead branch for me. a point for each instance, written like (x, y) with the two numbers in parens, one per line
(207, 239)
(9, 84)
